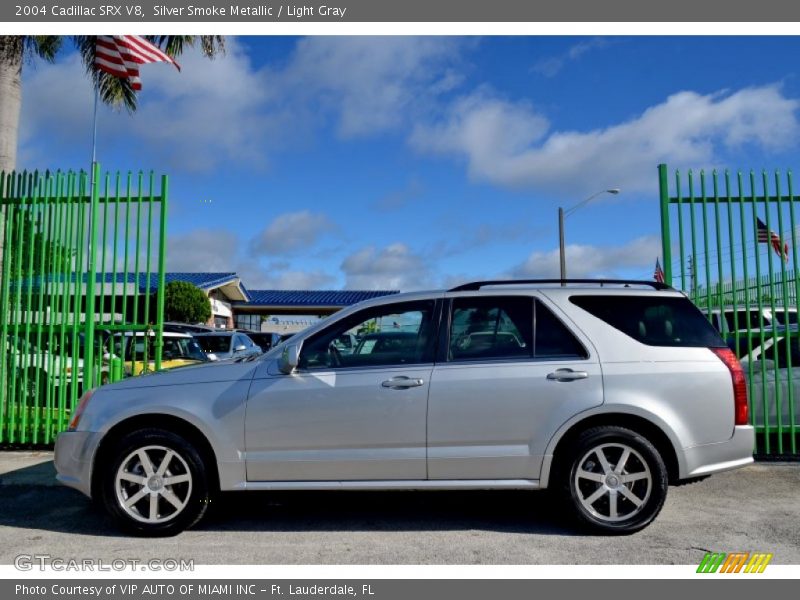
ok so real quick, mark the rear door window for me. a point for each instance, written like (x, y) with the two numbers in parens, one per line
(654, 320)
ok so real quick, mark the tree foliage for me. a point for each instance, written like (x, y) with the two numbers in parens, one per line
(185, 303)
(36, 253)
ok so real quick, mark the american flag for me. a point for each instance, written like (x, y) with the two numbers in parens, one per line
(765, 236)
(121, 55)
(658, 274)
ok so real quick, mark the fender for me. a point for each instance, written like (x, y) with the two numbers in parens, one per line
(610, 410)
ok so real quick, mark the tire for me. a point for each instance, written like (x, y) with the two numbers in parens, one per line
(171, 497)
(592, 481)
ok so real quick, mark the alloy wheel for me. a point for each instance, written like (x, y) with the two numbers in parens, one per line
(153, 484)
(612, 482)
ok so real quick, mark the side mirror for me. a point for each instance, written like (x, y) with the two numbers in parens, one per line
(240, 348)
(289, 359)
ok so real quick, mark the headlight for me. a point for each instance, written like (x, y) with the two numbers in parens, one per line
(84, 401)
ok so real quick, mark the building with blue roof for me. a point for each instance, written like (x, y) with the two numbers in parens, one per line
(232, 304)
(249, 315)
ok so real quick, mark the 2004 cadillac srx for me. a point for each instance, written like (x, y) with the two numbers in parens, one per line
(604, 391)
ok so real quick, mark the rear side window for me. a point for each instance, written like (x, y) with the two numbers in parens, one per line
(654, 320)
(553, 339)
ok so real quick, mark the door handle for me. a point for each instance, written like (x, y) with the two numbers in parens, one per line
(401, 383)
(567, 375)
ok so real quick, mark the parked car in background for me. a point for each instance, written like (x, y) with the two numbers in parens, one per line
(36, 366)
(614, 391)
(727, 319)
(477, 342)
(265, 341)
(773, 371)
(186, 327)
(346, 343)
(380, 346)
(227, 345)
(138, 352)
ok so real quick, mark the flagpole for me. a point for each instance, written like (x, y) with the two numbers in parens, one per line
(94, 125)
(88, 352)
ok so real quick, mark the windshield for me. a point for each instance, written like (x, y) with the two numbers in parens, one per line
(182, 348)
(214, 343)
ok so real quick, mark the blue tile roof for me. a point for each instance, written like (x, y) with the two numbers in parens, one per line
(301, 298)
(285, 298)
(204, 281)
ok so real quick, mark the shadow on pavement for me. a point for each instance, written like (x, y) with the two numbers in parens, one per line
(31, 501)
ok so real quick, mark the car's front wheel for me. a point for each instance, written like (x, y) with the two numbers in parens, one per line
(155, 484)
(614, 480)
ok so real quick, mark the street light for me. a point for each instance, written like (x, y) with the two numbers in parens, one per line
(562, 214)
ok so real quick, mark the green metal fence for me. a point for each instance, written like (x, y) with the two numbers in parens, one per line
(76, 284)
(730, 242)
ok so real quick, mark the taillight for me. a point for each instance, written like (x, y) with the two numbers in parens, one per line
(727, 356)
(73, 424)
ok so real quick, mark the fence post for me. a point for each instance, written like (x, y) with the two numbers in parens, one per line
(162, 251)
(666, 250)
(91, 277)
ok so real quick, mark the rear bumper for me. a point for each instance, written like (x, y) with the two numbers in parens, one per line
(723, 456)
(73, 458)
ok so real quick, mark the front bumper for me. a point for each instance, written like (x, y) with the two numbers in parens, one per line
(723, 456)
(73, 458)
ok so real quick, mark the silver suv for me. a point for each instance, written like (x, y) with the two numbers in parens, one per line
(605, 392)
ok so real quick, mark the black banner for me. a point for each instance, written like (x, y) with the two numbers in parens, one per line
(389, 589)
(359, 11)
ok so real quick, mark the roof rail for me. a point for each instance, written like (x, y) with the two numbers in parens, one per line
(476, 285)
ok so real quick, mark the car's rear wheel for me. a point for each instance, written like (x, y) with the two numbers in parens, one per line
(155, 484)
(614, 480)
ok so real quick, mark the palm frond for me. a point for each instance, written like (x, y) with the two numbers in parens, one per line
(114, 91)
(43, 46)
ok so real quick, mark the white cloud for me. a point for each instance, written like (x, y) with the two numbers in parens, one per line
(395, 267)
(294, 280)
(400, 199)
(229, 110)
(211, 250)
(593, 261)
(371, 83)
(220, 250)
(552, 65)
(291, 232)
(508, 143)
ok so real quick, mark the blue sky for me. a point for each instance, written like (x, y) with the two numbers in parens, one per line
(406, 163)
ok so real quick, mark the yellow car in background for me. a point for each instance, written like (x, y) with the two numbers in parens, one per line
(138, 351)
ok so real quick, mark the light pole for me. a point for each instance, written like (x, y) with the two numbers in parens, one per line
(562, 214)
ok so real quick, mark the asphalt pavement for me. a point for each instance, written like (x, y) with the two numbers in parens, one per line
(753, 509)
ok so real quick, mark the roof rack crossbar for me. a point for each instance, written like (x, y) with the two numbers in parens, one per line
(477, 285)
